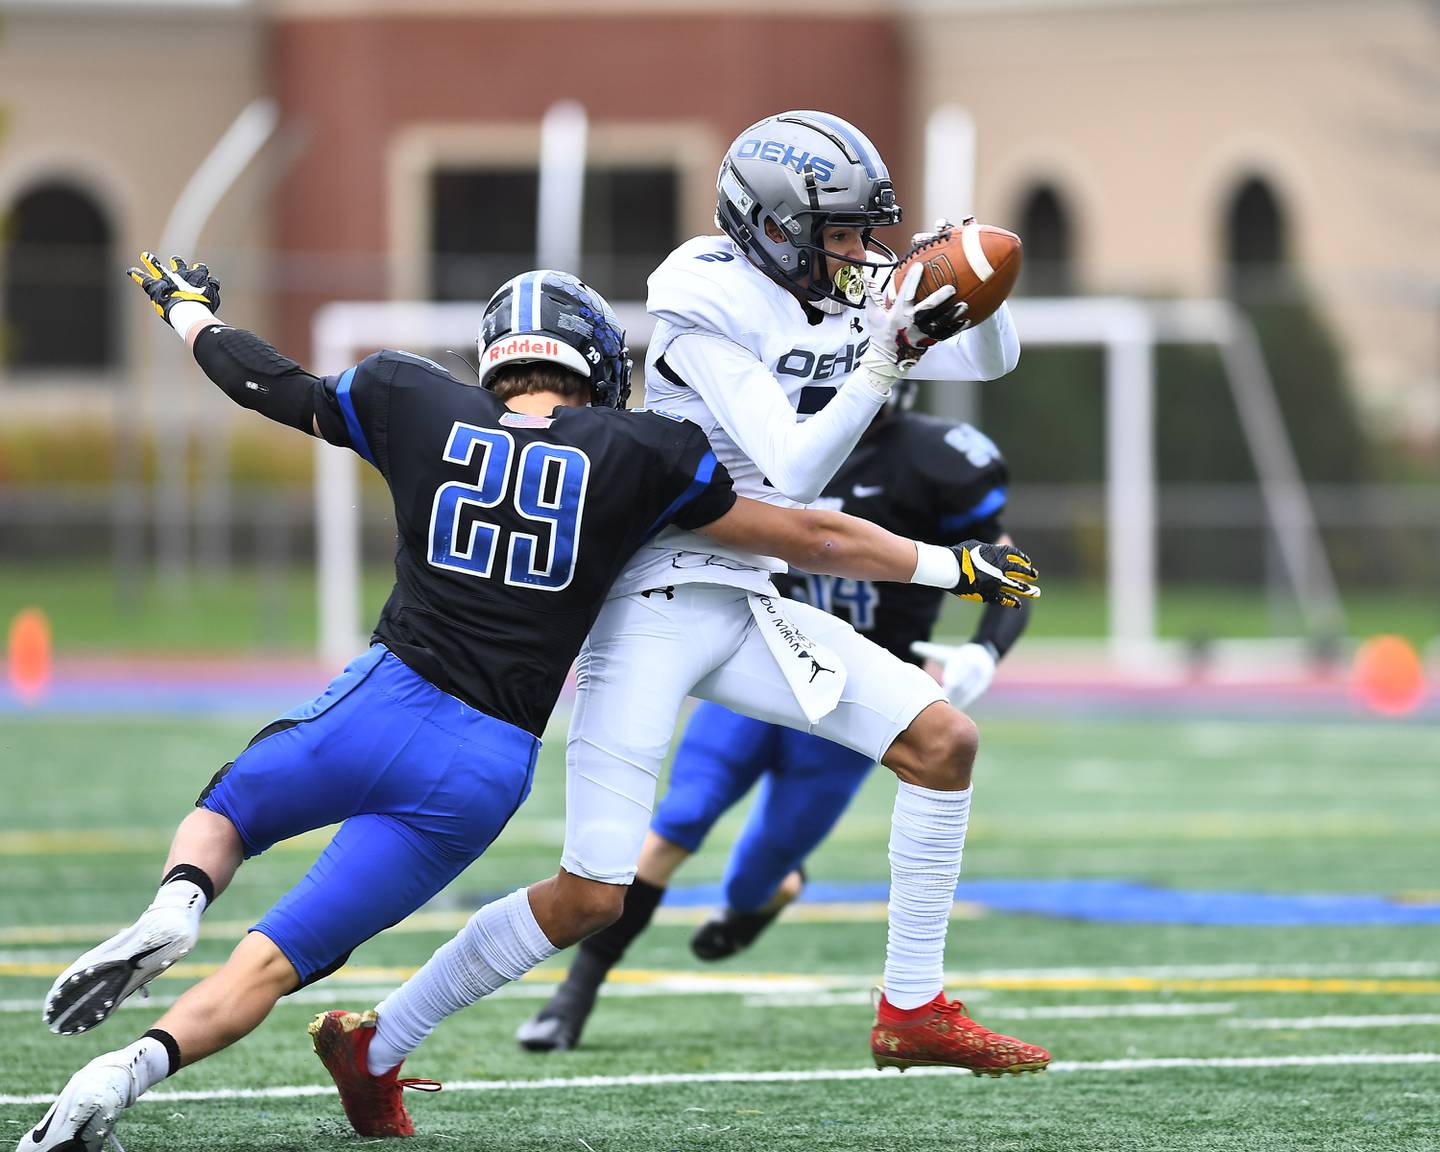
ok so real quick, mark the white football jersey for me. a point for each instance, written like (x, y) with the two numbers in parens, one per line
(737, 354)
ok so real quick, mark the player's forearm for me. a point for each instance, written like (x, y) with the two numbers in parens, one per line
(803, 457)
(999, 628)
(985, 352)
(798, 458)
(189, 320)
(833, 544)
(254, 375)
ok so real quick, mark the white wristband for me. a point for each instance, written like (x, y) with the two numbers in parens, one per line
(186, 314)
(935, 566)
(874, 378)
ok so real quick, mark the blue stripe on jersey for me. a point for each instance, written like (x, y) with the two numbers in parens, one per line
(352, 418)
(840, 128)
(703, 473)
(993, 501)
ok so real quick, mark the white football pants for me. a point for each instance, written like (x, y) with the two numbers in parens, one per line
(645, 654)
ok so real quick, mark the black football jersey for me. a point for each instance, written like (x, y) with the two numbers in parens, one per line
(510, 528)
(921, 477)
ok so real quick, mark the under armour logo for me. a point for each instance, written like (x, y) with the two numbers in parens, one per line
(855, 325)
(669, 591)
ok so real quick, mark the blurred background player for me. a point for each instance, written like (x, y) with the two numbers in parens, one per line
(917, 475)
(772, 339)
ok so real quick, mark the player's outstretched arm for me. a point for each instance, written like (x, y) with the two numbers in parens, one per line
(832, 543)
(798, 455)
(246, 368)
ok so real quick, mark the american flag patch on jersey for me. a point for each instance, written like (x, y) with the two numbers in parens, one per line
(521, 420)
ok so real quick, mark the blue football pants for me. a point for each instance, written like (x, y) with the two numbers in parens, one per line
(806, 783)
(419, 782)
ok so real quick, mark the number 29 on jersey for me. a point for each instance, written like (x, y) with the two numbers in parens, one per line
(542, 485)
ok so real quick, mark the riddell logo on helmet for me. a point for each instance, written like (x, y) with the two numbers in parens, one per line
(522, 346)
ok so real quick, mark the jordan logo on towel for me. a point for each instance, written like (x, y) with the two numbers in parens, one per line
(816, 674)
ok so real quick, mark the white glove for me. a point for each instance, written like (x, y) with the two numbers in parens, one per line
(896, 341)
(968, 669)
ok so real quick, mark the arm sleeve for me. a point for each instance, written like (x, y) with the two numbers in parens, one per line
(701, 487)
(985, 352)
(256, 376)
(798, 458)
(1001, 627)
(352, 409)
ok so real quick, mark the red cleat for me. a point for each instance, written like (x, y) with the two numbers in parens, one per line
(372, 1103)
(940, 1033)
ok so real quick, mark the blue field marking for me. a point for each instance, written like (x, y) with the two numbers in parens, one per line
(1125, 902)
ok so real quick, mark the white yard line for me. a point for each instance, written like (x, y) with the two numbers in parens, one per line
(1111, 1011)
(1208, 971)
(798, 989)
(1311, 1023)
(289, 1091)
(1051, 1012)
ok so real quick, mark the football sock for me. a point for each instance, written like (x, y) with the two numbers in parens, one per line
(890, 1014)
(597, 954)
(185, 886)
(927, 837)
(606, 947)
(172, 1048)
(150, 1059)
(500, 943)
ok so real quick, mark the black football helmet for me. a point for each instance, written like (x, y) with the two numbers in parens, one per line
(553, 316)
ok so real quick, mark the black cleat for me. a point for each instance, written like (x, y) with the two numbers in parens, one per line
(729, 932)
(557, 1026)
(550, 1033)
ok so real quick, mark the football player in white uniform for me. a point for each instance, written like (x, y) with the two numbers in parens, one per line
(769, 340)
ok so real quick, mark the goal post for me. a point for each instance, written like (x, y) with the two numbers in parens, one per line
(1128, 330)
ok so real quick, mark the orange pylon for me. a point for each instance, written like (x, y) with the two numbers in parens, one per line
(29, 654)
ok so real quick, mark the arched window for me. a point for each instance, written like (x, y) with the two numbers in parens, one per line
(1256, 244)
(1049, 248)
(59, 282)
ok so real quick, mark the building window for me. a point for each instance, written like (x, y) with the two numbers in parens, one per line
(482, 228)
(1049, 250)
(59, 282)
(1255, 238)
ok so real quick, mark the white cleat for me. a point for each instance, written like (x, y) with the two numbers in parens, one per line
(83, 1116)
(90, 989)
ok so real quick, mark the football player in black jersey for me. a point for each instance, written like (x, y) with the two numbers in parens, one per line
(916, 475)
(516, 504)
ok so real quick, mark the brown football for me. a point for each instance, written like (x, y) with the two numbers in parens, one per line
(981, 261)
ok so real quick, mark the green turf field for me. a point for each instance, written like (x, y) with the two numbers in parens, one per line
(1196, 804)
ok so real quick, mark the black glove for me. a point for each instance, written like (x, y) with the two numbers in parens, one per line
(167, 287)
(947, 318)
(944, 320)
(995, 573)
